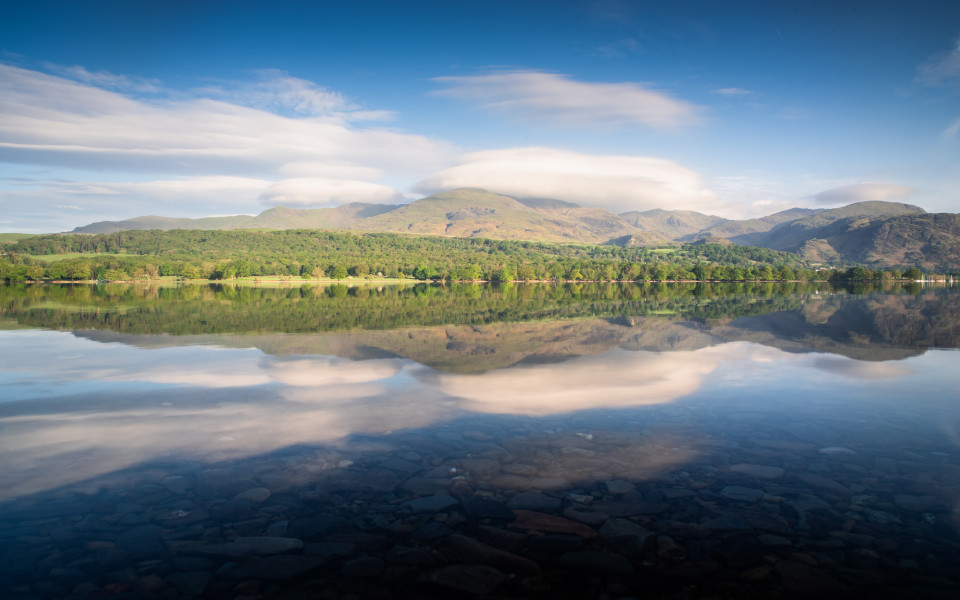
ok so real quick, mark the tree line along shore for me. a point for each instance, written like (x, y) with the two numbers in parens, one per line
(306, 255)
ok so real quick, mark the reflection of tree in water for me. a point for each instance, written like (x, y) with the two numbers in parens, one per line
(473, 328)
(874, 327)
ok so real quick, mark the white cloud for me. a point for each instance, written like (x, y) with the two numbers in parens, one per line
(617, 183)
(862, 192)
(50, 120)
(105, 79)
(201, 151)
(308, 168)
(616, 379)
(218, 188)
(277, 92)
(319, 192)
(558, 99)
(313, 371)
(941, 68)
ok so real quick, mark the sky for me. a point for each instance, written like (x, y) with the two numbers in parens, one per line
(111, 110)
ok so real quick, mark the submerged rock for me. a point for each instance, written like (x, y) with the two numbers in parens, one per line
(741, 494)
(527, 519)
(429, 504)
(758, 471)
(474, 552)
(247, 546)
(476, 580)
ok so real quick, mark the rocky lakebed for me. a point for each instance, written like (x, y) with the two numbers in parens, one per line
(672, 504)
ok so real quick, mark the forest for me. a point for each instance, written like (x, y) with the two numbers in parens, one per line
(317, 255)
(229, 308)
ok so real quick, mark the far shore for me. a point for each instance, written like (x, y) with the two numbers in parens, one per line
(409, 280)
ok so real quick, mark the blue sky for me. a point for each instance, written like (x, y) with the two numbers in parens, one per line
(110, 110)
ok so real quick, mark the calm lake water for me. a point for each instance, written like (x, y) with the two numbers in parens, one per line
(522, 441)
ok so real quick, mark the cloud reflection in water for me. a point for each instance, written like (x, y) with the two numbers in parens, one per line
(71, 418)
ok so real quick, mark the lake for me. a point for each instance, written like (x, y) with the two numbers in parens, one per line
(460, 441)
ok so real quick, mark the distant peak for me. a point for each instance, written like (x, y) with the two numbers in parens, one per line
(884, 205)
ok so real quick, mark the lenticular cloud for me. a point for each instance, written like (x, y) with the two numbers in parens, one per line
(617, 183)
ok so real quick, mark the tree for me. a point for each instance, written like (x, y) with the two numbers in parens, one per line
(556, 271)
(338, 272)
(784, 273)
(525, 272)
(505, 273)
(858, 274)
(187, 272)
(360, 269)
(913, 274)
(424, 272)
(117, 275)
(700, 271)
(467, 273)
(766, 273)
(79, 271)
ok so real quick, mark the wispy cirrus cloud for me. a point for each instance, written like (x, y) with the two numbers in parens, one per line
(862, 192)
(951, 131)
(733, 92)
(557, 99)
(45, 119)
(617, 183)
(942, 68)
(618, 49)
(105, 79)
(278, 92)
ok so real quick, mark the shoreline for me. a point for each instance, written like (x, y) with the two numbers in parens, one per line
(394, 281)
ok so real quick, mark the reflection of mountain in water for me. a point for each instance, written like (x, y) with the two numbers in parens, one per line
(875, 326)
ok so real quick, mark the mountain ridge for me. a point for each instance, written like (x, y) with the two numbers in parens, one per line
(872, 232)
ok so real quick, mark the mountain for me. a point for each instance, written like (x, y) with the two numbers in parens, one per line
(881, 234)
(166, 223)
(479, 213)
(732, 229)
(930, 241)
(281, 217)
(671, 223)
(458, 213)
(792, 234)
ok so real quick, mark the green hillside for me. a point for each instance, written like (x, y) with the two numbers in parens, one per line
(879, 234)
(673, 224)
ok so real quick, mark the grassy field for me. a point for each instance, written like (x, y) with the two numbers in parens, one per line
(6, 238)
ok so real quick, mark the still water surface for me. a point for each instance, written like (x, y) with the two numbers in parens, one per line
(578, 441)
